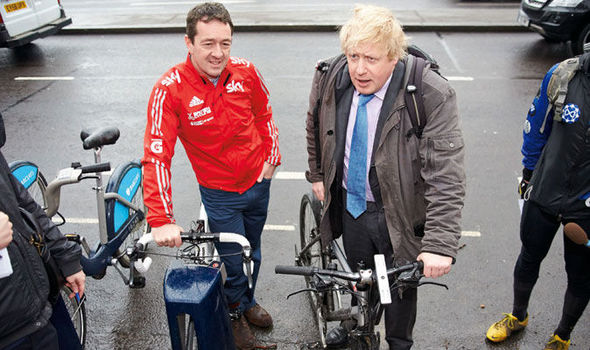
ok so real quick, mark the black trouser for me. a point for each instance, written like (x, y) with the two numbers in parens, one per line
(363, 238)
(43, 339)
(537, 230)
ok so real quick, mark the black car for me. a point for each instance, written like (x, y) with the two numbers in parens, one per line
(558, 20)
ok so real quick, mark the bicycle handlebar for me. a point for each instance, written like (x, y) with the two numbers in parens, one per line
(348, 276)
(194, 237)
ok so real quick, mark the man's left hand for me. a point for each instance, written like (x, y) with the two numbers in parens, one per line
(267, 172)
(435, 265)
(76, 283)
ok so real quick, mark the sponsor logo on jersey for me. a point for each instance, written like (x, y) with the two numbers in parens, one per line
(195, 102)
(174, 77)
(235, 86)
(240, 61)
(571, 113)
(527, 126)
(156, 146)
(200, 113)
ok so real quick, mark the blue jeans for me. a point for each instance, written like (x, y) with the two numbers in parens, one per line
(244, 214)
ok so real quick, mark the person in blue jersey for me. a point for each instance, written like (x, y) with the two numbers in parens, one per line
(556, 191)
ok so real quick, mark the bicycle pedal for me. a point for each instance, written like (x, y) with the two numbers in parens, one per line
(138, 282)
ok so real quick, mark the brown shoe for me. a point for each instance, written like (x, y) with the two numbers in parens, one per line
(258, 316)
(243, 337)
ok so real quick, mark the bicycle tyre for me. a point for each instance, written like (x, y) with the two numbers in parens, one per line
(126, 180)
(29, 175)
(309, 220)
(312, 254)
(77, 311)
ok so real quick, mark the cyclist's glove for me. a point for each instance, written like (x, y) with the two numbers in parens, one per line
(527, 174)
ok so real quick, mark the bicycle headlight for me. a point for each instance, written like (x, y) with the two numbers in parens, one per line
(564, 3)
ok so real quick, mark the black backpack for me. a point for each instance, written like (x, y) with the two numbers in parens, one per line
(413, 96)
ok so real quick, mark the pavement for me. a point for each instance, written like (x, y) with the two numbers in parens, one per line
(463, 17)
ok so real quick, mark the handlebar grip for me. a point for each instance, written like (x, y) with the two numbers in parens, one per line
(420, 265)
(96, 168)
(295, 270)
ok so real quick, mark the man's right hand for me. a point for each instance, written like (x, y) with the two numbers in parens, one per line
(167, 235)
(318, 190)
(5, 230)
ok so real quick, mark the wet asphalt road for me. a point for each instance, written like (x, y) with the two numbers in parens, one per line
(495, 76)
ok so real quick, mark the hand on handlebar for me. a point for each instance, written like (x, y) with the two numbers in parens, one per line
(435, 265)
(167, 235)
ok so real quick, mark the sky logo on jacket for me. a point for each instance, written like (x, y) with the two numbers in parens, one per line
(234, 87)
(173, 78)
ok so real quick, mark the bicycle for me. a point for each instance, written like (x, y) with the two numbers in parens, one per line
(121, 213)
(197, 312)
(319, 266)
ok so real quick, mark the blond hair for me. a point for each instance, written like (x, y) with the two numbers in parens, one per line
(373, 24)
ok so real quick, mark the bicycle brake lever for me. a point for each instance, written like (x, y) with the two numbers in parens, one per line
(301, 291)
(434, 283)
(248, 268)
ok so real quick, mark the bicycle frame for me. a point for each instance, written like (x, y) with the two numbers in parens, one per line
(96, 261)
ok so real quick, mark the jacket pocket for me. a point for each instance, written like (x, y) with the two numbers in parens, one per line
(442, 156)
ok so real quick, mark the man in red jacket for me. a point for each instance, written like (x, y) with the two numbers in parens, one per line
(218, 106)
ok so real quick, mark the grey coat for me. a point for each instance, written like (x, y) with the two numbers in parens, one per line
(422, 181)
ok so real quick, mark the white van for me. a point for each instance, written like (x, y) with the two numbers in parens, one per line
(22, 21)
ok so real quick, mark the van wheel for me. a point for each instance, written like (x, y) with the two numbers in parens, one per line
(581, 39)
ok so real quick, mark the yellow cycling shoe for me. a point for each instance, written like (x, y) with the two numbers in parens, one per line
(556, 343)
(502, 329)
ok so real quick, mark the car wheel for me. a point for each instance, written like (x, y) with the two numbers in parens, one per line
(580, 40)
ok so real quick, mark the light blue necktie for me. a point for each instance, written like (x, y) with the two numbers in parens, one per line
(356, 201)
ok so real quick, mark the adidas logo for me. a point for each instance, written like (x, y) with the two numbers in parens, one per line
(195, 101)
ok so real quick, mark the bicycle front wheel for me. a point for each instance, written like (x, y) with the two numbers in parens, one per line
(312, 254)
(311, 245)
(77, 311)
(123, 221)
(29, 175)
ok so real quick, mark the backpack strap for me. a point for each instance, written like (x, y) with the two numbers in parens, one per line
(557, 87)
(413, 95)
(323, 67)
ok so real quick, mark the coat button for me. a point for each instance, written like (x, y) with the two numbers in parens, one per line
(330, 132)
(452, 145)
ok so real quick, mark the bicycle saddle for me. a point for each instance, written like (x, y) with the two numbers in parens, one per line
(96, 137)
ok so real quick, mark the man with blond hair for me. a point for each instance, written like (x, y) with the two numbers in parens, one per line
(385, 189)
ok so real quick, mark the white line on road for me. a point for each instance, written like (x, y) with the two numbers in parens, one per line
(460, 78)
(44, 78)
(290, 228)
(290, 175)
(91, 221)
(470, 234)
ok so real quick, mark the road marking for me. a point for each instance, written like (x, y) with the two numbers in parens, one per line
(460, 78)
(279, 227)
(77, 220)
(290, 175)
(91, 221)
(44, 78)
(290, 228)
(449, 53)
(470, 234)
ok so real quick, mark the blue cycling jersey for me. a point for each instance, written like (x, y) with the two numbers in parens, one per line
(537, 127)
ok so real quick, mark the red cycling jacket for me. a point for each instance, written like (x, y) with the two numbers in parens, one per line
(227, 131)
